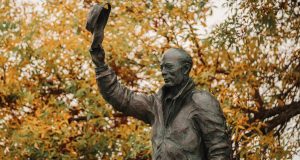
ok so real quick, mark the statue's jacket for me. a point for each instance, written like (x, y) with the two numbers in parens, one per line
(194, 129)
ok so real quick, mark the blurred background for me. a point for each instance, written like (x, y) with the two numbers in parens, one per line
(246, 53)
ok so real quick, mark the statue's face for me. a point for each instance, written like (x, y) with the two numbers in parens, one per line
(171, 68)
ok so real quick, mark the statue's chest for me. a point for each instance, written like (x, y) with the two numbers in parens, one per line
(179, 134)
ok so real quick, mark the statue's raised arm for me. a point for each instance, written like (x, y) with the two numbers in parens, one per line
(121, 98)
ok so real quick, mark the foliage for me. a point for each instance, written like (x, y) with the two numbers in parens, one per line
(50, 105)
(259, 54)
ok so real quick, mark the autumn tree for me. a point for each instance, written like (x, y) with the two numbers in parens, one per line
(50, 106)
(257, 56)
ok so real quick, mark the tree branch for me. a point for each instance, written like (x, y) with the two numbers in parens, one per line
(199, 52)
(286, 113)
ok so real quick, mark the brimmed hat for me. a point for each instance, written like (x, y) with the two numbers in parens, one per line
(98, 14)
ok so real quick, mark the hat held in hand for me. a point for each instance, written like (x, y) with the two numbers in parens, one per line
(98, 17)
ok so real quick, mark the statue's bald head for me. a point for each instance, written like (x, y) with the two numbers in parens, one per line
(175, 66)
(180, 55)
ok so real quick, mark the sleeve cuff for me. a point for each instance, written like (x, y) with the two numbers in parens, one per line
(103, 71)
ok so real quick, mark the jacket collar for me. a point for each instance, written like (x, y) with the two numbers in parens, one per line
(177, 101)
(189, 85)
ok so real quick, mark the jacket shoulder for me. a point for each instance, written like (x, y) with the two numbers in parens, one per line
(205, 101)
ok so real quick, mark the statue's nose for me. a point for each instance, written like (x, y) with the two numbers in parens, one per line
(163, 72)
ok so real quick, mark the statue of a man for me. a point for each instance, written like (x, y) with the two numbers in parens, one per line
(187, 124)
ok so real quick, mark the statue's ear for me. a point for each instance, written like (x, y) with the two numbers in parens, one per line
(186, 68)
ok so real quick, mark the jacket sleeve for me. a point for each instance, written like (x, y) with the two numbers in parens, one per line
(123, 99)
(211, 124)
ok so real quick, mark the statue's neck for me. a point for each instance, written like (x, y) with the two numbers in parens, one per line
(174, 90)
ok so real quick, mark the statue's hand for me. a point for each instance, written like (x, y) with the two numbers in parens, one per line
(98, 35)
(96, 50)
(98, 56)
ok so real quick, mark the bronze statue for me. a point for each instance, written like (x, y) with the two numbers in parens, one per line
(186, 123)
